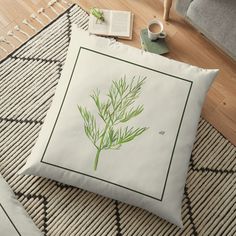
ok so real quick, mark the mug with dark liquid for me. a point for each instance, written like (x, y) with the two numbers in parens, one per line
(155, 30)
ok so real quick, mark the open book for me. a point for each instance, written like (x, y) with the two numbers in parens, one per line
(117, 23)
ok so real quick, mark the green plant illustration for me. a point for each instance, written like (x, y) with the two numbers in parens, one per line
(115, 111)
(98, 14)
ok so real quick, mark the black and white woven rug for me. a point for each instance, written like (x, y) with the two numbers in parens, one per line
(28, 79)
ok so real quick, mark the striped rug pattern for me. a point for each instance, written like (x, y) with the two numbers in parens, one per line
(28, 79)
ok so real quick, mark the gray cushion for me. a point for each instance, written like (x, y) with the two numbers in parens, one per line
(181, 6)
(216, 19)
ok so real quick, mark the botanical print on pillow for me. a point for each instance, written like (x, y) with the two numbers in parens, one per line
(117, 152)
(116, 110)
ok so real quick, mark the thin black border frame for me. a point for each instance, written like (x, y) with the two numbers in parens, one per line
(8, 217)
(172, 154)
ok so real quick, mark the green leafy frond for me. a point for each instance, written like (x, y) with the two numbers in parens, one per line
(131, 113)
(116, 110)
(90, 125)
(129, 134)
(95, 97)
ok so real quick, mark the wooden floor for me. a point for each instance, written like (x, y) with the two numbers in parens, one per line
(185, 43)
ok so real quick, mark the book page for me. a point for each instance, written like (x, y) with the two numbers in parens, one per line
(120, 23)
(100, 27)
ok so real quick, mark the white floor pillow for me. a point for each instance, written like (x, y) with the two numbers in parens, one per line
(122, 124)
(14, 221)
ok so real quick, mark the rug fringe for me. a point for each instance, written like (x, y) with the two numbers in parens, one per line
(17, 28)
(35, 22)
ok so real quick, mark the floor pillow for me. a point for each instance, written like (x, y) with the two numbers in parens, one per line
(122, 124)
(14, 220)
